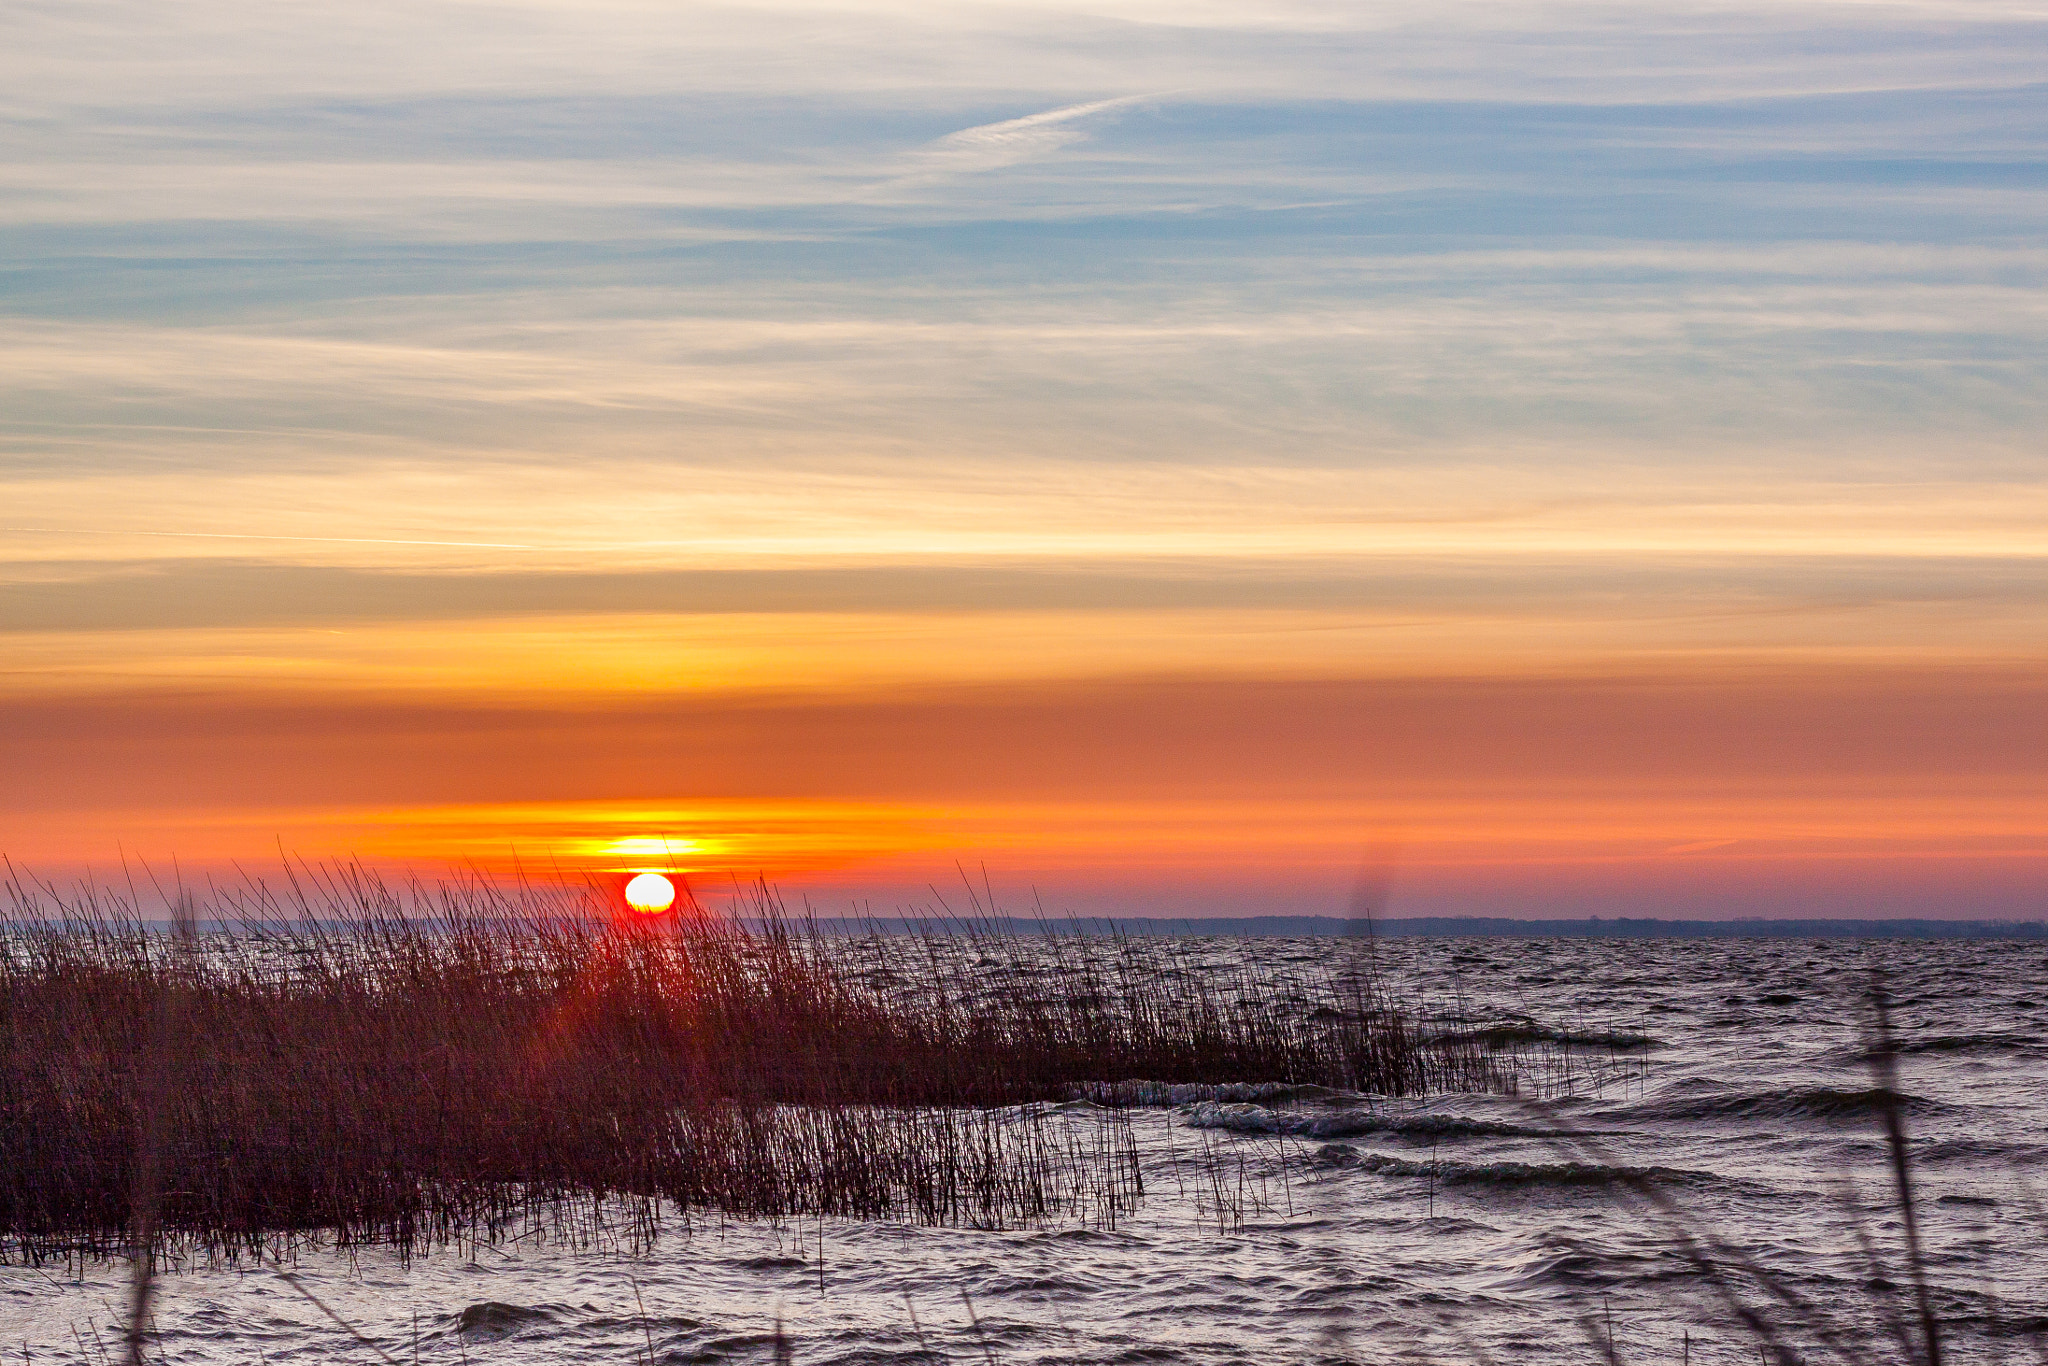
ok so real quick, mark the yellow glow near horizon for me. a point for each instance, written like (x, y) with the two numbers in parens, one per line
(643, 655)
(796, 839)
(654, 846)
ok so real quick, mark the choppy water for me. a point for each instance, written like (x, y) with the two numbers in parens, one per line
(1452, 1230)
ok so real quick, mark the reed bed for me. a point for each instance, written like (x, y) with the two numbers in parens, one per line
(417, 1065)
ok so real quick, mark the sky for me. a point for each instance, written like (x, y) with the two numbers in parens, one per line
(1196, 459)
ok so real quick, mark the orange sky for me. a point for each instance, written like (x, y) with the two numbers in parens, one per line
(1172, 458)
(1749, 790)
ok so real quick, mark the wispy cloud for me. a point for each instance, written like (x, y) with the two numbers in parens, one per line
(992, 146)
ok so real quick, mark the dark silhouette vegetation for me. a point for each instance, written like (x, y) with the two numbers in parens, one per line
(415, 1066)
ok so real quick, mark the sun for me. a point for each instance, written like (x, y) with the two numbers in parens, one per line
(650, 893)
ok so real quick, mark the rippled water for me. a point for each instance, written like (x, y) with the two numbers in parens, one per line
(1325, 1228)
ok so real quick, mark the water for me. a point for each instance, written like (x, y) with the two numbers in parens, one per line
(1456, 1229)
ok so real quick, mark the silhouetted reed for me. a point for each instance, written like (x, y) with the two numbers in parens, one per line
(414, 1065)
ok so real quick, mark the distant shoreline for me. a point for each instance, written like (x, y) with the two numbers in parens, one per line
(1502, 927)
(1337, 927)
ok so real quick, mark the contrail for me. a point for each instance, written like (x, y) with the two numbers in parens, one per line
(992, 146)
(984, 134)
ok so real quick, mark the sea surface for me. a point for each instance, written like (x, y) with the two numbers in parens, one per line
(1717, 1149)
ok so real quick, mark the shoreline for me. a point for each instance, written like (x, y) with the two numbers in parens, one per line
(1415, 927)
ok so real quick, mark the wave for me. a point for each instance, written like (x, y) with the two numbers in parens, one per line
(1454, 1173)
(1163, 1093)
(1982, 1150)
(1798, 1102)
(1258, 1119)
(1511, 1033)
(1969, 1043)
(495, 1319)
(1939, 1045)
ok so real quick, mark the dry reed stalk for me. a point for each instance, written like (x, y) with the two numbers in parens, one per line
(416, 1065)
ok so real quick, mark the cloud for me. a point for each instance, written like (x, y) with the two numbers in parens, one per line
(992, 146)
(232, 51)
(206, 593)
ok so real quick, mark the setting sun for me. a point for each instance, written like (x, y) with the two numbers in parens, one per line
(650, 893)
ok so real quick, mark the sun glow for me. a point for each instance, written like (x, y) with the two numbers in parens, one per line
(659, 846)
(650, 893)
